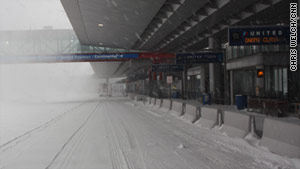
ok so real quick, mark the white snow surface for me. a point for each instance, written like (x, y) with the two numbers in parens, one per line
(109, 133)
(70, 128)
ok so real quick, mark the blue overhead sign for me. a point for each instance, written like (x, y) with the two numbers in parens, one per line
(167, 68)
(69, 58)
(196, 58)
(95, 57)
(268, 35)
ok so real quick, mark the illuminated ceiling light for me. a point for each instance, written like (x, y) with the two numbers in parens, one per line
(7, 42)
(100, 43)
(100, 25)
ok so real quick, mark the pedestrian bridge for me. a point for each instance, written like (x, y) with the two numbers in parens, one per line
(56, 46)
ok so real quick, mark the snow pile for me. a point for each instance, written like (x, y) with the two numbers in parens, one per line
(248, 148)
(181, 146)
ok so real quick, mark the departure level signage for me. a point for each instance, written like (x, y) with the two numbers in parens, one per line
(150, 55)
(268, 35)
(195, 58)
(167, 68)
(95, 57)
(69, 58)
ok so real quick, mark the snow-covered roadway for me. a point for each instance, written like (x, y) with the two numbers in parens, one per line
(116, 133)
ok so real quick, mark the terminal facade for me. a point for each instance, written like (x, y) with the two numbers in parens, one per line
(209, 50)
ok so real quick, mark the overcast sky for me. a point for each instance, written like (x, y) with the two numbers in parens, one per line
(32, 14)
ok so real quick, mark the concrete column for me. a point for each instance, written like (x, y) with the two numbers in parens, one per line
(202, 80)
(226, 83)
(231, 88)
(184, 81)
(211, 79)
(216, 75)
(212, 45)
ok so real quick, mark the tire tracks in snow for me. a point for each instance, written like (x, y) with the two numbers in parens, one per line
(118, 157)
(19, 139)
(184, 138)
(76, 137)
(124, 147)
(67, 159)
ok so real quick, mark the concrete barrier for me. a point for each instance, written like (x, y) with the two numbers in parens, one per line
(158, 103)
(166, 104)
(177, 108)
(209, 117)
(144, 99)
(191, 113)
(154, 101)
(148, 100)
(281, 137)
(258, 124)
(138, 97)
(131, 96)
(236, 124)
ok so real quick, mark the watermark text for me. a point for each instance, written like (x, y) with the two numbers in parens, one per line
(293, 36)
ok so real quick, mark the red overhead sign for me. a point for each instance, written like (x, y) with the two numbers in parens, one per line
(156, 55)
(159, 57)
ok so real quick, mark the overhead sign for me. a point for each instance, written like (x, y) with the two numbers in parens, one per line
(95, 57)
(194, 58)
(169, 79)
(156, 55)
(167, 68)
(157, 58)
(69, 58)
(268, 35)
